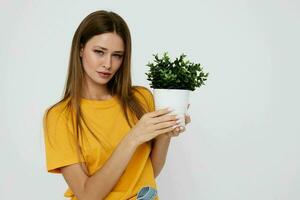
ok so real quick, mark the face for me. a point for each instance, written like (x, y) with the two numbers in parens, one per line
(102, 54)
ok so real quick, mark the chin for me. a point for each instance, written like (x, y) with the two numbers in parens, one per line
(102, 81)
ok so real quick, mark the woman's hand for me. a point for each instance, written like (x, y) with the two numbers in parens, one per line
(179, 130)
(153, 124)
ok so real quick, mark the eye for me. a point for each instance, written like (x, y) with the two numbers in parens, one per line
(119, 56)
(99, 52)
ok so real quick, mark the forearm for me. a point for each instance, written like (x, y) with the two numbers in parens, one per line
(102, 182)
(159, 153)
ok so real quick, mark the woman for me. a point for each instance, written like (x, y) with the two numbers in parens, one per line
(104, 136)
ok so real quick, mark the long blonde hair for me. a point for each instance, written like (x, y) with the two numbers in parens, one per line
(96, 23)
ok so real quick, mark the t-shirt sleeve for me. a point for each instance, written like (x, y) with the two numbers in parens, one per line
(148, 97)
(60, 144)
(150, 100)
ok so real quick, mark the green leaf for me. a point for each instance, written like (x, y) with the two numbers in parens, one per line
(177, 74)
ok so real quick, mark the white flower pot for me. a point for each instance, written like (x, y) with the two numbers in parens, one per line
(176, 99)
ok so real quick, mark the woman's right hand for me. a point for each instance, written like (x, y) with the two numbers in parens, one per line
(153, 124)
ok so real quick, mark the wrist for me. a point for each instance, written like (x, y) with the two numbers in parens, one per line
(165, 136)
(131, 141)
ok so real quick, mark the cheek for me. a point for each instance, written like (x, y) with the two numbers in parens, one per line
(117, 64)
(89, 62)
(116, 68)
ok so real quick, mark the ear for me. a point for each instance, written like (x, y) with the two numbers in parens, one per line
(81, 51)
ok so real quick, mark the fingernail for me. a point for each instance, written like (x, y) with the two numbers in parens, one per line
(181, 128)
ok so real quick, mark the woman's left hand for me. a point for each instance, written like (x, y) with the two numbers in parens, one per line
(177, 130)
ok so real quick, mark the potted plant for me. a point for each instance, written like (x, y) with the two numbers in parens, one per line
(172, 82)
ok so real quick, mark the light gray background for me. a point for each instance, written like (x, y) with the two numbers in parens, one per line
(243, 142)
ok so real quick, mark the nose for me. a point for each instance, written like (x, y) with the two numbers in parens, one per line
(107, 62)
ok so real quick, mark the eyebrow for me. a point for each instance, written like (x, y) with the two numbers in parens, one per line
(105, 49)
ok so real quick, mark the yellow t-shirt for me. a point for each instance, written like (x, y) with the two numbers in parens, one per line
(106, 120)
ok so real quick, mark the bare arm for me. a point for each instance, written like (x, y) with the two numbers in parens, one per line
(99, 185)
(159, 153)
(160, 148)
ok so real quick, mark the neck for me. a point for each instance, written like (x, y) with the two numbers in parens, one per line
(95, 91)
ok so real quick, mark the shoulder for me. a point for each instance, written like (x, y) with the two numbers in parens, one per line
(56, 112)
(145, 96)
(142, 90)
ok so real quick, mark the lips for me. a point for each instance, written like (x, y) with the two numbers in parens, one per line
(105, 73)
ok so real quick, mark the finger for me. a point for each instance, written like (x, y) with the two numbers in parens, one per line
(165, 125)
(160, 112)
(162, 131)
(182, 129)
(164, 118)
(187, 119)
(175, 132)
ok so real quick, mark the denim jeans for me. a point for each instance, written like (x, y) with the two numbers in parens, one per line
(147, 193)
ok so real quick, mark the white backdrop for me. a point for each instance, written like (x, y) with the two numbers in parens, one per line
(243, 142)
